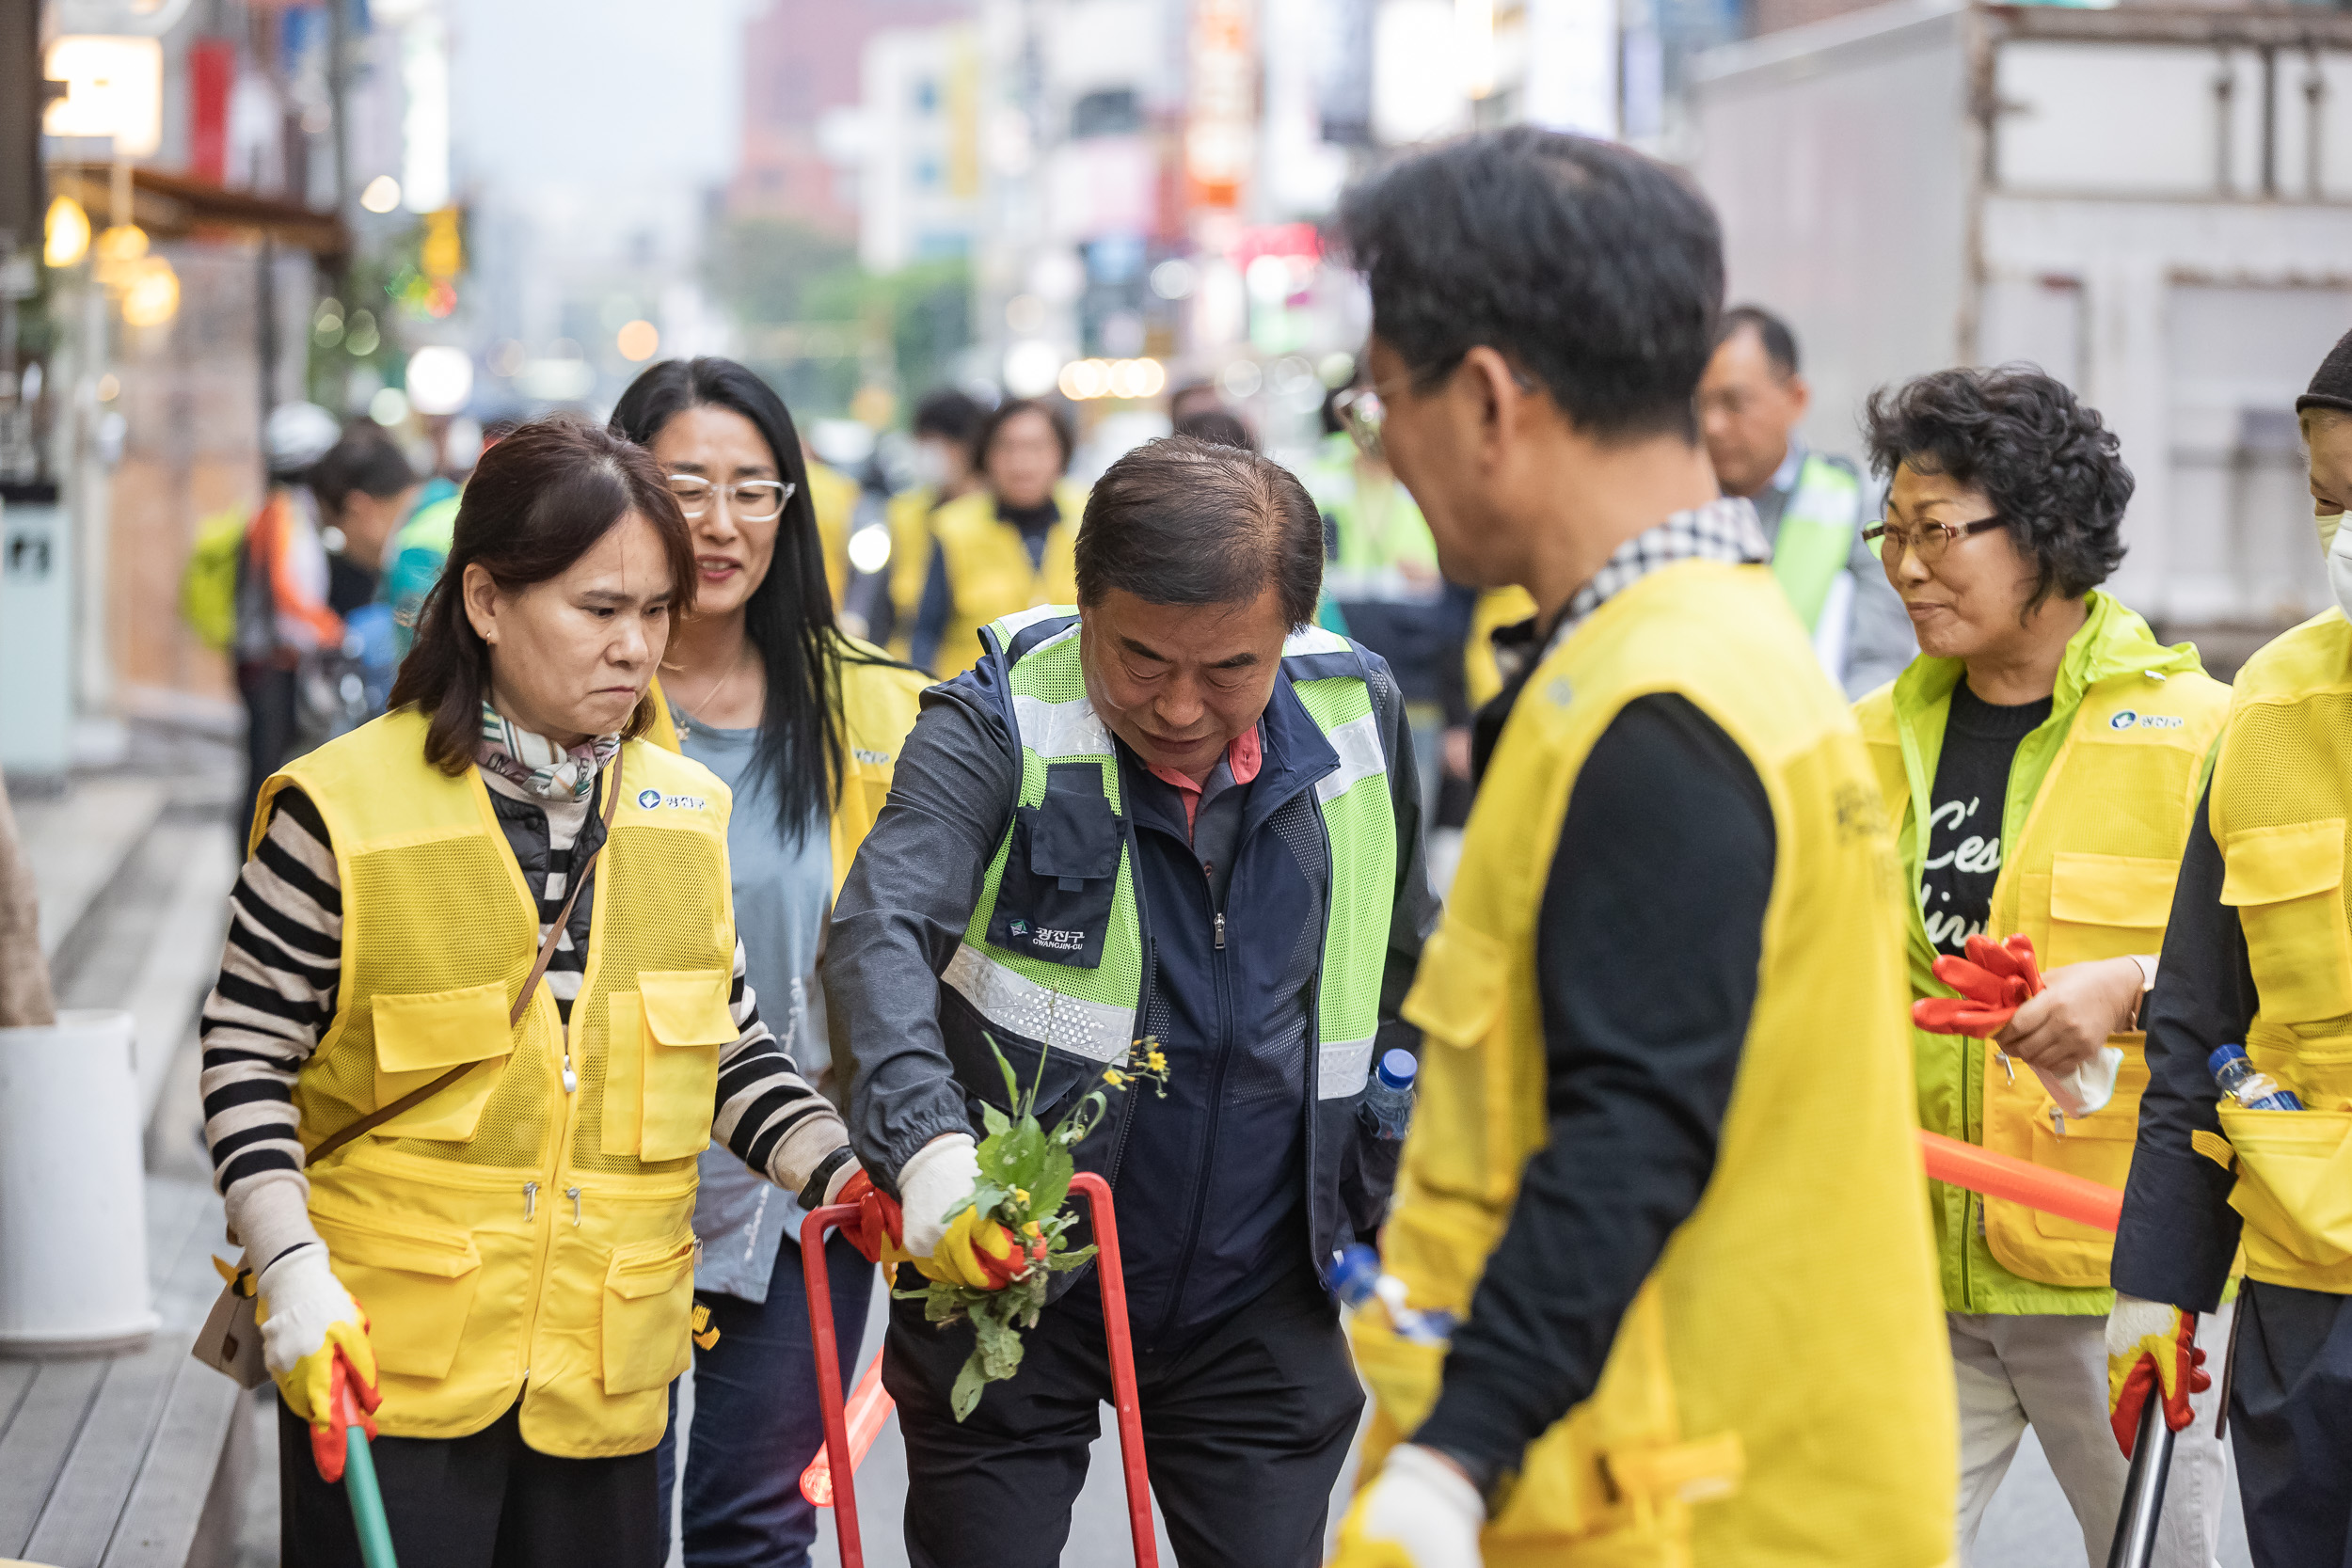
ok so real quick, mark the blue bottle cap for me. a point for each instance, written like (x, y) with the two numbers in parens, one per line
(2223, 1056)
(1397, 1069)
(1355, 1272)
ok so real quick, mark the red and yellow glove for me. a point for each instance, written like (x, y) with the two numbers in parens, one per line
(1993, 981)
(976, 1252)
(327, 1443)
(2151, 1346)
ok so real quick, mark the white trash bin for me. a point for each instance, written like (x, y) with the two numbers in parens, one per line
(72, 1190)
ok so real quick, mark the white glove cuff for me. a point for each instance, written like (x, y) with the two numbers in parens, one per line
(2134, 1320)
(1441, 1482)
(942, 1174)
(303, 1299)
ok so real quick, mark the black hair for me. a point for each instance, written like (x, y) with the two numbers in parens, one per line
(1012, 409)
(788, 617)
(2050, 467)
(1218, 427)
(2332, 384)
(1585, 265)
(365, 459)
(539, 501)
(950, 413)
(1189, 522)
(1780, 345)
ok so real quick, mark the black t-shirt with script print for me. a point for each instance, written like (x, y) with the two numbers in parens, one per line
(1965, 831)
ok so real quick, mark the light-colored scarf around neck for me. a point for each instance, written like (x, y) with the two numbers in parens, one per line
(537, 765)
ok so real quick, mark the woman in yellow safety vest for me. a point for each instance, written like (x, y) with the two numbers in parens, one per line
(480, 1009)
(802, 724)
(2041, 760)
(1006, 548)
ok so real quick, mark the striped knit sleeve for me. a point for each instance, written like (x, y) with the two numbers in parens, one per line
(769, 1116)
(274, 999)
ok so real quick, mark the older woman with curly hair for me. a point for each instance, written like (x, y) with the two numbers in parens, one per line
(2041, 760)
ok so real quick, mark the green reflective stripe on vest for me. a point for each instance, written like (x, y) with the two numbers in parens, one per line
(1091, 1012)
(1816, 533)
(1088, 1012)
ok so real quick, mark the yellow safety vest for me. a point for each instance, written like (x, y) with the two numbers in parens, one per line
(879, 705)
(2088, 876)
(988, 571)
(1780, 1391)
(508, 1239)
(1497, 608)
(2281, 796)
(832, 496)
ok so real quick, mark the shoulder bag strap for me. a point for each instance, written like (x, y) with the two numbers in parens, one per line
(375, 1118)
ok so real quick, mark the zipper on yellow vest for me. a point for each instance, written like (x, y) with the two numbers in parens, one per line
(557, 1158)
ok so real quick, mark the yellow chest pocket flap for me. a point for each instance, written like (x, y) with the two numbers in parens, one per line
(420, 1036)
(2287, 883)
(665, 1039)
(2108, 906)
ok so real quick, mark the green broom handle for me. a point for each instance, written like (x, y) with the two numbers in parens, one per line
(367, 1498)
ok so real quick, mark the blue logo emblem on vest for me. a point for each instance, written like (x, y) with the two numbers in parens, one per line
(648, 799)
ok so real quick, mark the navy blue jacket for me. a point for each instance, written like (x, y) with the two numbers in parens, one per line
(1242, 1172)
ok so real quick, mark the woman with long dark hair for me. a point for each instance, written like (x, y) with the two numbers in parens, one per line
(804, 724)
(482, 1005)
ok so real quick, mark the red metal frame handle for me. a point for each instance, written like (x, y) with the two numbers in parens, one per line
(1109, 1274)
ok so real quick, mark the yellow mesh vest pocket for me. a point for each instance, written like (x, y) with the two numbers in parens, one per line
(419, 1038)
(686, 1021)
(2286, 882)
(2108, 906)
(624, 1076)
(415, 1281)
(648, 1308)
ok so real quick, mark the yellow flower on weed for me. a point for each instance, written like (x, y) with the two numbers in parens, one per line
(1157, 1060)
(1022, 1193)
(1115, 1078)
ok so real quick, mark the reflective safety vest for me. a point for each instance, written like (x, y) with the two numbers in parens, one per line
(879, 705)
(989, 572)
(2281, 796)
(1817, 535)
(509, 1238)
(1067, 970)
(1780, 1391)
(2090, 836)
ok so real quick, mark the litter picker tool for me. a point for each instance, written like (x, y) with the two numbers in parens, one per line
(346, 1428)
(841, 1455)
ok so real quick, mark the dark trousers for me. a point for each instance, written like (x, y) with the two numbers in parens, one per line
(1245, 1432)
(2291, 1425)
(269, 732)
(756, 1423)
(483, 1501)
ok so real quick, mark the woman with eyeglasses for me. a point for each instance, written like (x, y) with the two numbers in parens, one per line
(2041, 760)
(803, 724)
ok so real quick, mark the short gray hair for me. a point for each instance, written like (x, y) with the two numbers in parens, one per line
(1187, 522)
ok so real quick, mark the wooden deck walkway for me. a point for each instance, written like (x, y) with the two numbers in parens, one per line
(133, 1460)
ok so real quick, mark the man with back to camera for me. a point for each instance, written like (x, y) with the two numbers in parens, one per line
(1811, 505)
(1177, 813)
(1661, 1174)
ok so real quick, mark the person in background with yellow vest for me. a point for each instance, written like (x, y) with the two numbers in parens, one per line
(944, 422)
(2040, 762)
(833, 496)
(1812, 505)
(2259, 955)
(1661, 1188)
(801, 724)
(1007, 547)
(480, 1009)
(1178, 814)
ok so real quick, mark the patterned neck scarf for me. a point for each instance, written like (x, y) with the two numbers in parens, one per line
(536, 764)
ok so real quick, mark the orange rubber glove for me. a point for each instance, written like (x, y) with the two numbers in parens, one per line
(870, 1230)
(2151, 1346)
(1993, 981)
(979, 1253)
(327, 1443)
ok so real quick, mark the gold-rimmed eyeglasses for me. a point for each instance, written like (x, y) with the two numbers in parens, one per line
(1359, 411)
(752, 501)
(1929, 541)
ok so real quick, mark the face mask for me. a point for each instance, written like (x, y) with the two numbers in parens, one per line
(930, 466)
(2340, 564)
(2327, 524)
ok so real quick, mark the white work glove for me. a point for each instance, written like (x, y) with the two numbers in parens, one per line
(307, 1317)
(942, 1174)
(1419, 1504)
(2085, 1089)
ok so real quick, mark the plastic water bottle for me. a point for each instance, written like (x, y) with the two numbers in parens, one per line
(2235, 1071)
(1356, 1279)
(1390, 1094)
